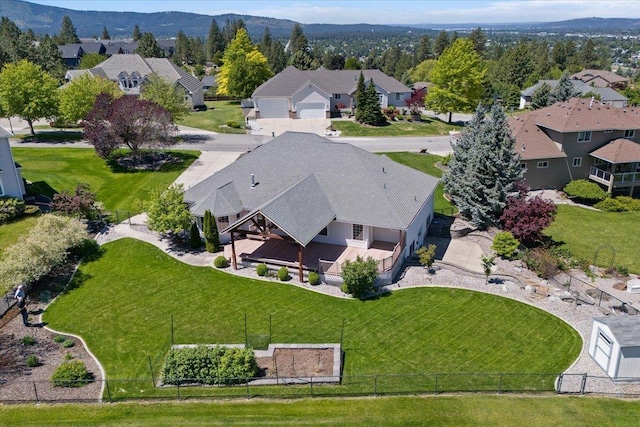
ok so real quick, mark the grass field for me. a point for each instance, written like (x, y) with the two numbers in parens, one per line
(382, 411)
(57, 169)
(217, 115)
(583, 231)
(428, 126)
(427, 164)
(421, 330)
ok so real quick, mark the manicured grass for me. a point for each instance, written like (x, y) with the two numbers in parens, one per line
(216, 117)
(428, 126)
(50, 135)
(583, 231)
(123, 303)
(12, 231)
(382, 411)
(57, 169)
(427, 164)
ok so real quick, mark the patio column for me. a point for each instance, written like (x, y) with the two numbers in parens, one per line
(300, 275)
(234, 263)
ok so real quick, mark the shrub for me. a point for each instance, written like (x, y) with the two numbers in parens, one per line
(31, 210)
(610, 204)
(32, 361)
(446, 160)
(10, 208)
(341, 105)
(71, 374)
(359, 276)
(234, 124)
(426, 255)
(59, 339)
(585, 190)
(28, 340)
(314, 278)
(68, 356)
(82, 203)
(194, 239)
(629, 203)
(542, 262)
(262, 270)
(207, 365)
(525, 217)
(220, 262)
(283, 274)
(68, 343)
(505, 245)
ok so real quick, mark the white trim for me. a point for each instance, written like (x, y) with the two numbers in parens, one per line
(586, 136)
(577, 162)
(544, 164)
(629, 133)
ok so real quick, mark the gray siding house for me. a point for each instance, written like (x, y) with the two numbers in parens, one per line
(131, 71)
(11, 182)
(606, 94)
(317, 93)
(306, 202)
(580, 139)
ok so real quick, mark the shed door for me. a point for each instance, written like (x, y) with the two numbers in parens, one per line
(311, 110)
(271, 108)
(602, 355)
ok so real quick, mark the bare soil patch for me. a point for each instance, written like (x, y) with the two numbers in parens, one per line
(297, 362)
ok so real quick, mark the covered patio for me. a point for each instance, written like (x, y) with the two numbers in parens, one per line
(617, 166)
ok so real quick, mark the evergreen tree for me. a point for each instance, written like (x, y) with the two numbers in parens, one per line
(231, 29)
(564, 90)
(423, 52)
(479, 39)
(274, 52)
(148, 47)
(215, 41)
(588, 58)
(197, 54)
(105, 34)
(136, 33)
(517, 65)
(541, 97)
(487, 170)
(195, 241)
(361, 97)
(47, 55)
(372, 114)
(298, 41)
(302, 60)
(67, 32)
(210, 231)
(442, 43)
(181, 55)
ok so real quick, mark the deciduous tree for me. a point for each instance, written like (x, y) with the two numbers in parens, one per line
(82, 203)
(526, 217)
(28, 92)
(78, 96)
(165, 94)
(167, 212)
(90, 60)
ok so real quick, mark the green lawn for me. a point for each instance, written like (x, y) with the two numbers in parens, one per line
(122, 305)
(382, 411)
(47, 134)
(427, 164)
(583, 231)
(57, 169)
(428, 126)
(216, 117)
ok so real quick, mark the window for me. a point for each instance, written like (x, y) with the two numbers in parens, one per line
(399, 96)
(577, 162)
(598, 162)
(135, 79)
(337, 96)
(223, 219)
(584, 136)
(629, 133)
(608, 130)
(357, 232)
(523, 165)
(543, 165)
(324, 232)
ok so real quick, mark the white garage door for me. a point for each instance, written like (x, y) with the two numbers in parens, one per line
(603, 350)
(273, 108)
(311, 110)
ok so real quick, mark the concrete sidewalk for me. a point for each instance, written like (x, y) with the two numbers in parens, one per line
(206, 165)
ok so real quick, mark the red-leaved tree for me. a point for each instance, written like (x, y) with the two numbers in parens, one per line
(526, 218)
(128, 122)
(416, 102)
(81, 203)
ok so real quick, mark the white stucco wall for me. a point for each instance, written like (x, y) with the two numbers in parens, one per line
(10, 176)
(419, 226)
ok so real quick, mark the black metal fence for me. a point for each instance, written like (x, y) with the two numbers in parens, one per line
(344, 386)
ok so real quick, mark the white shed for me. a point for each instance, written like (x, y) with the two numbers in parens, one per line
(615, 346)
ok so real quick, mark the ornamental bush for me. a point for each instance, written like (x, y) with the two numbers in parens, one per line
(221, 262)
(314, 278)
(71, 374)
(262, 270)
(505, 245)
(32, 361)
(10, 208)
(585, 190)
(209, 365)
(618, 204)
(359, 276)
(283, 274)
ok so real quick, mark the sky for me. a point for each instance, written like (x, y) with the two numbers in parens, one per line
(377, 12)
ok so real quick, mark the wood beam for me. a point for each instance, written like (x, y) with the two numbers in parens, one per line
(234, 262)
(300, 257)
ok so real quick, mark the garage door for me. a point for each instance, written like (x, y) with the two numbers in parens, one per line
(602, 354)
(311, 110)
(273, 108)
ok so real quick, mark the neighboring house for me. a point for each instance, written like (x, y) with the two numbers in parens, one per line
(11, 182)
(208, 82)
(306, 202)
(615, 346)
(131, 71)
(607, 95)
(317, 93)
(71, 54)
(580, 139)
(601, 78)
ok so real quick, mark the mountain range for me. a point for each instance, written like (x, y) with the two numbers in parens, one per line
(46, 19)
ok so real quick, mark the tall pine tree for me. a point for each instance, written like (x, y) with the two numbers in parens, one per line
(372, 114)
(215, 41)
(564, 90)
(210, 231)
(67, 32)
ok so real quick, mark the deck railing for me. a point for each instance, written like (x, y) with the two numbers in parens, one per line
(386, 264)
(599, 173)
(618, 178)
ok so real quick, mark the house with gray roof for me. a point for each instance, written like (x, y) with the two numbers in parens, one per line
(131, 72)
(605, 94)
(580, 139)
(615, 346)
(11, 182)
(307, 202)
(317, 93)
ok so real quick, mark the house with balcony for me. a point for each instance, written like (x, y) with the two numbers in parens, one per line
(309, 203)
(580, 139)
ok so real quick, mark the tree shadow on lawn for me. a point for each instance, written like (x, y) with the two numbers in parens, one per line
(53, 137)
(41, 188)
(149, 161)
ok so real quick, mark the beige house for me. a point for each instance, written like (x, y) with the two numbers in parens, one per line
(601, 78)
(580, 139)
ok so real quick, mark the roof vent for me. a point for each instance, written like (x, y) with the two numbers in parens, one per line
(253, 181)
(523, 147)
(383, 171)
(385, 185)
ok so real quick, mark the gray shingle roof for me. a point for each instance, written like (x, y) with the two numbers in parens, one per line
(331, 81)
(606, 93)
(72, 50)
(626, 329)
(359, 187)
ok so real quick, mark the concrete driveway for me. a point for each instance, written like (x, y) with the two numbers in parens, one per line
(275, 127)
(206, 165)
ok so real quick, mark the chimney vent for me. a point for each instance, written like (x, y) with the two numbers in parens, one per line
(253, 180)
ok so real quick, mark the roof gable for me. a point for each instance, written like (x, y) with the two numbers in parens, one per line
(620, 150)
